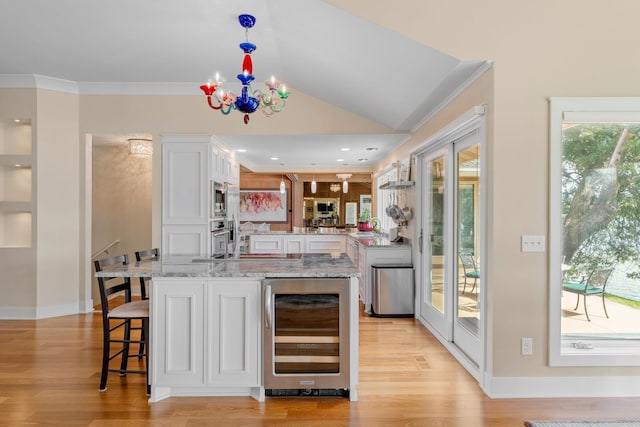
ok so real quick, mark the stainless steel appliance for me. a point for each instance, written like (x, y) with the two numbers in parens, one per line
(218, 200)
(393, 291)
(219, 238)
(306, 337)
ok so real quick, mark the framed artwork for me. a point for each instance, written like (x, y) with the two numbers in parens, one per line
(263, 206)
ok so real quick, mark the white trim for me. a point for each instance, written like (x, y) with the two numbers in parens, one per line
(575, 108)
(35, 81)
(453, 127)
(461, 88)
(563, 387)
(139, 88)
(17, 313)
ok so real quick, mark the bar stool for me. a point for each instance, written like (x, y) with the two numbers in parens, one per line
(123, 315)
(145, 255)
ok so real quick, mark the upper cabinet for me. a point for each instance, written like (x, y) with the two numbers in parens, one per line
(185, 182)
(223, 166)
(189, 164)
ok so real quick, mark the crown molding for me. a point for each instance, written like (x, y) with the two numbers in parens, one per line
(35, 81)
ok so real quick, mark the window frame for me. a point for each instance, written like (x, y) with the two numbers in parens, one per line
(562, 352)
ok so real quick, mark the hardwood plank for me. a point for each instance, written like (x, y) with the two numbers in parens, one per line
(50, 369)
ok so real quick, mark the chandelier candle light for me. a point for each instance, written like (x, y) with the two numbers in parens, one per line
(249, 100)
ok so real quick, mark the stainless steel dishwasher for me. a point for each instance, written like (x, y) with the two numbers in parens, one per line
(393, 291)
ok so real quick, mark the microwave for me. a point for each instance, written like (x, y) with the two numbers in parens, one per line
(218, 199)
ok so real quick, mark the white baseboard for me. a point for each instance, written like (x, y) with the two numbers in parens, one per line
(34, 313)
(535, 387)
(21, 313)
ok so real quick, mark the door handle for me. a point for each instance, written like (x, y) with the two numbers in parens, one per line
(267, 306)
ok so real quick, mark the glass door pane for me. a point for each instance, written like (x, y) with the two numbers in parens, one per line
(436, 301)
(307, 333)
(437, 238)
(468, 242)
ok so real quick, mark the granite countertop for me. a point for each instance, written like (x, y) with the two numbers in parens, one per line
(377, 240)
(307, 265)
(369, 239)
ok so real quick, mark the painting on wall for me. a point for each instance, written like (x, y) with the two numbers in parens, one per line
(263, 206)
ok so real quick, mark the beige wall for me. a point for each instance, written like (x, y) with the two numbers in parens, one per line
(540, 49)
(121, 204)
(18, 266)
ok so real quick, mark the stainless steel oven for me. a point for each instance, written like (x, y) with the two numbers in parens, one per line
(219, 239)
(306, 336)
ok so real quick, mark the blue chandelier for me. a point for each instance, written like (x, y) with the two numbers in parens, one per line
(249, 100)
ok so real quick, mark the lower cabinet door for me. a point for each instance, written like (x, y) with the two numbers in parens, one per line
(233, 344)
(177, 314)
(189, 239)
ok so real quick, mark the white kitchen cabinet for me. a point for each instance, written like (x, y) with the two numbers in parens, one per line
(294, 244)
(185, 182)
(206, 337)
(326, 244)
(266, 244)
(220, 168)
(187, 239)
(233, 348)
(177, 323)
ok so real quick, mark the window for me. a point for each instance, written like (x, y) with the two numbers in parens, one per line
(385, 198)
(595, 221)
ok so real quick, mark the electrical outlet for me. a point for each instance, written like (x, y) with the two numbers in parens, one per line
(532, 244)
(526, 346)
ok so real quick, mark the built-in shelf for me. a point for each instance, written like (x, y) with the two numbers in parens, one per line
(16, 183)
(397, 185)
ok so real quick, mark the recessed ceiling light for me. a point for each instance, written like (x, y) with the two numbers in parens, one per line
(242, 150)
(372, 149)
(274, 158)
(362, 160)
(345, 149)
(16, 120)
(339, 160)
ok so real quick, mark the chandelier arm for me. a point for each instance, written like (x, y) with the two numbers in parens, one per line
(215, 107)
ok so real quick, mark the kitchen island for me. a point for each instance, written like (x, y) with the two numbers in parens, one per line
(207, 319)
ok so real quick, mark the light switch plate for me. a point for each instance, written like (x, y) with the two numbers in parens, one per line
(532, 243)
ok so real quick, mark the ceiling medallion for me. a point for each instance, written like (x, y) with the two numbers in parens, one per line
(249, 100)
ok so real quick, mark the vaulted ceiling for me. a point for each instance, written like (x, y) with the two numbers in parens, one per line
(313, 46)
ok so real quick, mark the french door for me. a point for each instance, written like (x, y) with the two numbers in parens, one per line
(451, 218)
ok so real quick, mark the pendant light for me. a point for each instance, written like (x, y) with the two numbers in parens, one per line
(314, 186)
(344, 177)
(283, 188)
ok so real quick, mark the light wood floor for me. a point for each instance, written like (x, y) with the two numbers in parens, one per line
(49, 374)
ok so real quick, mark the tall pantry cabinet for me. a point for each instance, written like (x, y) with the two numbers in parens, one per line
(189, 164)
